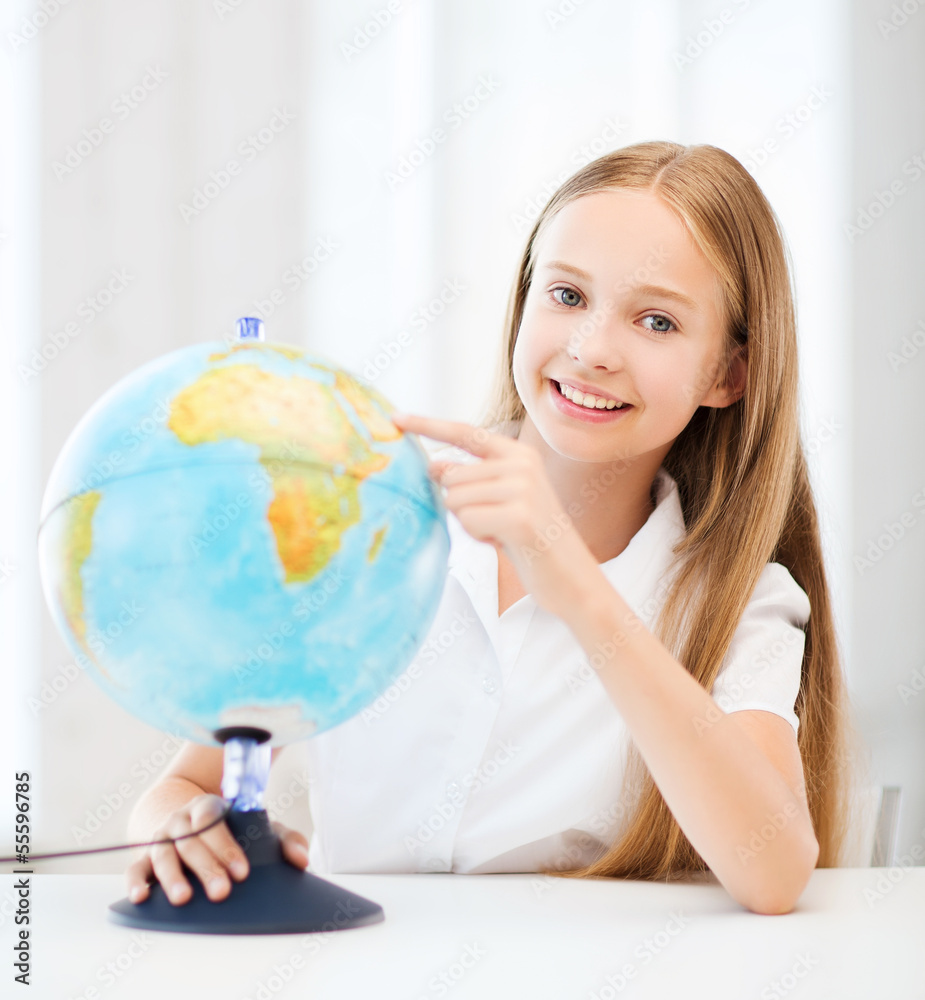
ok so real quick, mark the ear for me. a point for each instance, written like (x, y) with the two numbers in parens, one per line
(731, 385)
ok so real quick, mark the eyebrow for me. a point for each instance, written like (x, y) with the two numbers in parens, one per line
(654, 290)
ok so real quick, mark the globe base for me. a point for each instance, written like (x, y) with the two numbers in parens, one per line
(275, 898)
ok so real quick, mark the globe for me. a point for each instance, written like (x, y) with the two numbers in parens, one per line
(236, 535)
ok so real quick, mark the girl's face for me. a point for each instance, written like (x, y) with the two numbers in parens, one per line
(624, 306)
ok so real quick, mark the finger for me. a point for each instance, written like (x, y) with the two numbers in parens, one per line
(446, 472)
(136, 877)
(218, 839)
(294, 845)
(166, 866)
(196, 856)
(481, 521)
(494, 491)
(476, 440)
(206, 866)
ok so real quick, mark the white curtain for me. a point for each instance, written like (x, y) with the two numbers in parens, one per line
(364, 176)
(20, 402)
(568, 82)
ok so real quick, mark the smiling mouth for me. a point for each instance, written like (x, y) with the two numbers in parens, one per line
(588, 401)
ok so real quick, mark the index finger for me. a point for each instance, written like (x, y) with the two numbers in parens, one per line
(219, 838)
(476, 440)
(136, 876)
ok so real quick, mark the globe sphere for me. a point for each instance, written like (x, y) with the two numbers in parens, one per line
(236, 535)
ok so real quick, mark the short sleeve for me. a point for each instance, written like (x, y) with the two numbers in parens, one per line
(764, 662)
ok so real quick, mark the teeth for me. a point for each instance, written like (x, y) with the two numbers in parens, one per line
(587, 400)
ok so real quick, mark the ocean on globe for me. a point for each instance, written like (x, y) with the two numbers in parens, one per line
(238, 535)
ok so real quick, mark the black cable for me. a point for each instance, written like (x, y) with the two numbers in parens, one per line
(29, 858)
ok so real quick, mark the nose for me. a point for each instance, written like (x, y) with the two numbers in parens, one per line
(595, 342)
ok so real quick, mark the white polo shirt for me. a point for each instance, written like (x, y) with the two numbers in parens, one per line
(498, 749)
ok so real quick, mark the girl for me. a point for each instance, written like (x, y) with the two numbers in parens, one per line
(638, 505)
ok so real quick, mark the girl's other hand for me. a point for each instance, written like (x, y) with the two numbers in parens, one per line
(214, 856)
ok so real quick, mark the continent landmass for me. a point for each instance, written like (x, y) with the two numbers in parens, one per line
(316, 486)
(378, 539)
(293, 353)
(357, 394)
(78, 544)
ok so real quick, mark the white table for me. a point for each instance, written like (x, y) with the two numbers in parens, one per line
(494, 936)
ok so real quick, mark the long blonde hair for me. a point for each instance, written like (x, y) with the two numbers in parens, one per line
(743, 487)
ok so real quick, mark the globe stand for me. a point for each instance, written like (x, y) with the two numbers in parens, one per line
(276, 897)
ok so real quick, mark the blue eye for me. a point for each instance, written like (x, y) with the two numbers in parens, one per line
(566, 291)
(661, 319)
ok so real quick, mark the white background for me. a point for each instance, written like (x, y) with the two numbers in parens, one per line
(563, 89)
